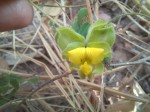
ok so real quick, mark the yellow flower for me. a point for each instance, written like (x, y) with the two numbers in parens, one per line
(85, 58)
(85, 69)
(90, 55)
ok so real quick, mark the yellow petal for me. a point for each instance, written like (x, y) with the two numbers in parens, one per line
(77, 56)
(85, 69)
(94, 55)
(91, 55)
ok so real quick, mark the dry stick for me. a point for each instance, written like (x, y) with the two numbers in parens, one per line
(48, 82)
(45, 105)
(131, 77)
(89, 11)
(112, 91)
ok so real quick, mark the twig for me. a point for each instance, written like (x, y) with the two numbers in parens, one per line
(112, 91)
(130, 17)
(123, 37)
(48, 82)
(127, 14)
(141, 61)
(130, 78)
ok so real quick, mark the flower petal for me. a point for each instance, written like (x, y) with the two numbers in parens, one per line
(86, 69)
(77, 56)
(94, 55)
(90, 55)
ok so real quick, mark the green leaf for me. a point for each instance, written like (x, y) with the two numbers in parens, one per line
(82, 16)
(98, 69)
(84, 29)
(71, 46)
(66, 35)
(82, 24)
(101, 31)
(104, 45)
(75, 26)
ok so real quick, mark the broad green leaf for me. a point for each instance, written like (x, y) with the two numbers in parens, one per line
(104, 45)
(101, 31)
(66, 35)
(71, 46)
(98, 69)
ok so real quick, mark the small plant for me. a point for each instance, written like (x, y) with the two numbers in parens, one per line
(9, 84)
(85, 46)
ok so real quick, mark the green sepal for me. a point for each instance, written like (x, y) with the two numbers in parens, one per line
(82, 76)
(103, 45)
(71, 46)
(107, 59)
(98, 69)
(101, 31)
(66, 35)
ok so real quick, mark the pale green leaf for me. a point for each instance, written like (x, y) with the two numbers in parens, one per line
(71, 46)
(104, 45)
(67, 35)
(101, 31)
